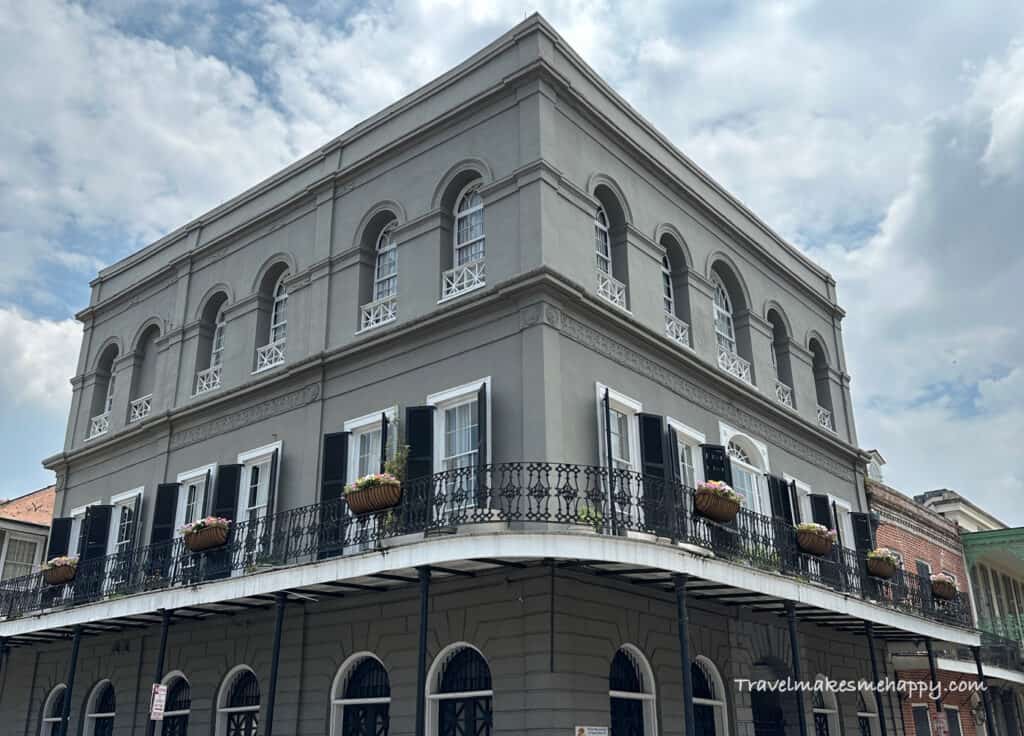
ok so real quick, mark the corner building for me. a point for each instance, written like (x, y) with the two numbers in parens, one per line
(569, 325)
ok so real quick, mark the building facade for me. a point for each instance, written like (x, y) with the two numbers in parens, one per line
(24, 528)
(513, 279)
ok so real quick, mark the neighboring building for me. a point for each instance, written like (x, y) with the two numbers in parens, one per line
(968, 516)
(569, 325)
(24, 527)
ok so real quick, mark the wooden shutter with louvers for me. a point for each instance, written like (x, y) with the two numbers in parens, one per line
(481, 424)
(821, 510)
(672, 470)
(225, 492)
(652, 445)
(60, 537)
(794, 499)
(863, 533)
(383, 439)
(716, 463)
(779, 496)
(164, 510)
(335, 466)
(96, 531)
(275, 468)
(419, 436)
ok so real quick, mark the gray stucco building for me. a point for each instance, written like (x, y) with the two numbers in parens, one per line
(570, 326)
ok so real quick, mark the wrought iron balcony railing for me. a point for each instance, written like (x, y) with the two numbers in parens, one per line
(378, 312)
(730, 362)
(139, 408)
(534, 495)
(677, 330)
(784, 394)
(208, 380)
(270, 355)
(99, 425)
(1007, 628)
(611, 289)
(463, 278)
(825, 419)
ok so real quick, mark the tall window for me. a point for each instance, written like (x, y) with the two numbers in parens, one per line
(825, 710)
(257, 489)
(108, 402)
(19, 557)
(100, 710)
(631, 694)
(361, 699)
(177, 708)
(461, 694)
(461, 436)
(725, 331)
(53, 707)
(469, 226)
(867, 714)
(747, 474)
(709, 707)
(238, 706)
(602, 241)
(385, 270)
(279, 312)
(103, 393)
(217, 344)
(668, 296)
(620, 422)
(622, 457)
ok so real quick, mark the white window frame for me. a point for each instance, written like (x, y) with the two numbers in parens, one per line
(603, 242)
(338, 699)
(959, 718)
(450, 397)
(183, 481)
(389, 249)
(830, 711)
(217, 341)
(118, 503)
(166, 682)
(803, 496)
(473, 187)
(90, 705)
(624, 405)
(36, 540)
(360, 426)
(247, 460)
(869, 714)
(729, 433)
(692, 438)
(668, 290)
(436, 668)
(77, 516)
(721, 707)
(649, 700)
(51, 724)
(726, 312)
(927, 707)
(280, 299)
(222, 711)
(845, 520)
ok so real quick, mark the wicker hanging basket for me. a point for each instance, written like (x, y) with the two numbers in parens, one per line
(59, 575)
(715, 506)
(814, 543)
(943, 589)
(881, 568)
(209, 537)
(376, 497)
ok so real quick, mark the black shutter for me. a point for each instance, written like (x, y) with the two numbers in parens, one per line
(672, 470)
(923, 570)
(275, 462)
(652, 445)
(335, 466)
(383, 439)
(60, 537)
(96, 531)
(207, 496)
(863, 532)
(164, 511)
(481, 424)
(225, 494)
(778, 493)
(419, 436)
(606, 407)
(716, 463)
(794, 497)
(839, 532)
(821, 510)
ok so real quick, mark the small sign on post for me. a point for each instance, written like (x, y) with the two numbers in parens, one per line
(157, 702)
(590, 731)
(940, 723)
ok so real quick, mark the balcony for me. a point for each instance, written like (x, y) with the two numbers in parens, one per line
(733, 364)
(677, 330)
(99, 425)
(463, 278)
(783, 394)
(270, 355)
(610, 289)
(208, 380)
(1005, 628)
(825, 419)
(140, 408)
(378, 313)
(508, 499)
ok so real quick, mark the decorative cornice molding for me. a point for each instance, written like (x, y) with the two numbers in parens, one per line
(249, 415)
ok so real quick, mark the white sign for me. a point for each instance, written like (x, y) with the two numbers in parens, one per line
(940, 726)
(157, 702)
(590, 731)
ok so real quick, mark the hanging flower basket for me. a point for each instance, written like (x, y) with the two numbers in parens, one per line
(882, 563)
(208, 533)
(60, 570)
(815, 539)
(717, 501)
(943, 587)
(373, 493)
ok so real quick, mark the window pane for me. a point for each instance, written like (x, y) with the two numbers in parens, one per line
(21, 555)
(686, 466)
(369, 453)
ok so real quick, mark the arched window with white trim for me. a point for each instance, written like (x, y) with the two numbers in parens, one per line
(210, 350)
(53, 709)
(467, 271)
(709, 705)
(103, 393)
(867, 714)
(631, 694)
(177, 707)
(279, 312)
(602, 242)
(825, 709)
(385, 268)
(272, 324)
(361, 698)
(238, 704)
(725, 330)
(460, 693)
(748, 473)
(731, 323)
(100, 710)
(668, 294)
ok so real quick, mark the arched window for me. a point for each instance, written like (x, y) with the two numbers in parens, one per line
(144, 376)
(631, 694)
(867, 714)
(822, 385)
(380, 298)
(725, 330)
(279, 312)
(53, 708)
(385, 270)
(747, 473)
(177, 707)
(100, 709)
(103, 393)
(780, 359)
(668, 294)
(361, 698)
(272, 327)
(825, 709)
(467, 271)
(238, 705)
(460, 694)
(733, 340)
(602, 242)
(709, 707)
(210, 350)
(675, 291)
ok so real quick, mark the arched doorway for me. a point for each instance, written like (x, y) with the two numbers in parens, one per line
(774, 712)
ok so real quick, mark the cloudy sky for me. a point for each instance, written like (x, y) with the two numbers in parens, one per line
(884, 139)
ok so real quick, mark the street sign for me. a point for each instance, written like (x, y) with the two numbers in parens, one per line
(590, 731)
(157, 702)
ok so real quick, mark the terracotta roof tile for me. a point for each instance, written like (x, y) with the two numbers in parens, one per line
(32, 508)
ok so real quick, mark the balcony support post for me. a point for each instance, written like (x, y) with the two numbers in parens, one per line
(869, 632)
(281, 599)
(679, 580)
(158, 674)
(794, 648)
(934, 675)
(69, 689)
(990, 722)
(421, 654)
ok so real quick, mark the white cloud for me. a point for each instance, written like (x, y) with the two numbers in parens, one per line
(40, 364)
